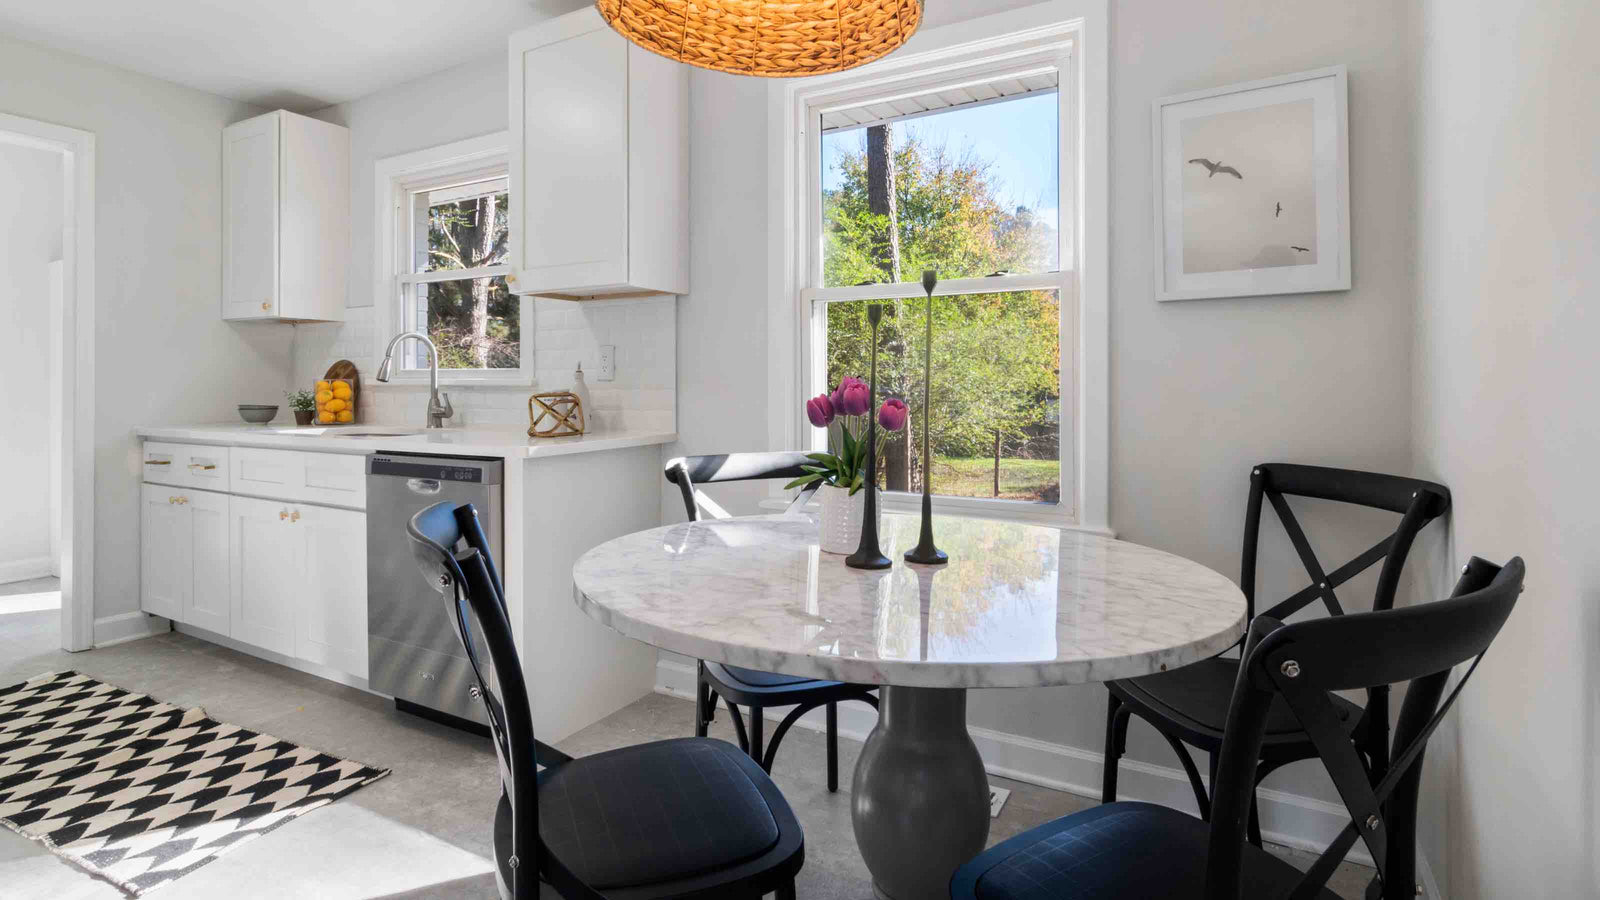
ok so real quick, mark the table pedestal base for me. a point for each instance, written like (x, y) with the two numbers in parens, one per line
(920, 801)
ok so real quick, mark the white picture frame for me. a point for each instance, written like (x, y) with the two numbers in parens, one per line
(1269, 141)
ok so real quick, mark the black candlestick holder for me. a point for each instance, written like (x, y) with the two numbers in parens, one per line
(868, 555)
(925, 552)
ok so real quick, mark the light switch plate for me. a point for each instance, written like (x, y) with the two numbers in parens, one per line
(608, 363)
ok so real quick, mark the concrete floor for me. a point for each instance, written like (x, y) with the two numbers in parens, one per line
(422, 832)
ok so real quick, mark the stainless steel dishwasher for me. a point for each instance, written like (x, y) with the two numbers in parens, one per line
(414, 654)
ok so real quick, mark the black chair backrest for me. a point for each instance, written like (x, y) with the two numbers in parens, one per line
(1304, 662)
(469, 581)
(688, 471)
(1418, 502)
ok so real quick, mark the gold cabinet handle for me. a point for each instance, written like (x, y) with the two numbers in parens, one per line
(283, 514)
(266, 304)
(294, 516)
(202, 466)
(171, 500)
(183, 501)
(158, 462)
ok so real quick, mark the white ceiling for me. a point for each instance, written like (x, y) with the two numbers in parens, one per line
(295, 54)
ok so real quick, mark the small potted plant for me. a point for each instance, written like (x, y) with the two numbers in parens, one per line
(841, 470)
(303, 403)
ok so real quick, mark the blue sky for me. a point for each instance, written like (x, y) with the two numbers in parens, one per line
(1017, 136)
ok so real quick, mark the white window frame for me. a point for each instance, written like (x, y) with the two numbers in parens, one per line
(394, 179)
(1067, 35)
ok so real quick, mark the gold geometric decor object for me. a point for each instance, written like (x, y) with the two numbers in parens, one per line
(562, 409)
(770, 38)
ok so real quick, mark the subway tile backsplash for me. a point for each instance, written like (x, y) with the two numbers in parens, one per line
(643, 396)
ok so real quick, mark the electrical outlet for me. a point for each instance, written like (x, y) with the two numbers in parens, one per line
(608, 363)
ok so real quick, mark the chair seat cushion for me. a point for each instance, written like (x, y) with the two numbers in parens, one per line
(1119, 850)
(655, 812)
(765, 679)
(1201, 693)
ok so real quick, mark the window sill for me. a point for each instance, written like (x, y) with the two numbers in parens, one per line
(1003, 511)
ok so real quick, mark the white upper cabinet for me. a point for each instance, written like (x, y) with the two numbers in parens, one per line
(285, 218)
(599, 163)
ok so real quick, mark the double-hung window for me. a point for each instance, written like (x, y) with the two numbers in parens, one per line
(444, 221)
(963, 162)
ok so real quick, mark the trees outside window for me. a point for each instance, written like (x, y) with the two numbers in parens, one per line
(457, 291)
(970, 192)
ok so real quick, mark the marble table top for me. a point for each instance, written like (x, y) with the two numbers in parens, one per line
(1017, 606)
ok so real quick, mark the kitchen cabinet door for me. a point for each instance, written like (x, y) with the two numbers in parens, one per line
(599, 163)
(250, 218)
(267, 557)
(165, 568)
(331, 624)
(208, 603)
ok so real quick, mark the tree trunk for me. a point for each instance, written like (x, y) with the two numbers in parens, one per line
(881, 200)
(997, 462)
(881, 195)
(480, 286)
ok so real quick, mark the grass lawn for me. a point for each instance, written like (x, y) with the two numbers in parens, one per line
(1020, 479)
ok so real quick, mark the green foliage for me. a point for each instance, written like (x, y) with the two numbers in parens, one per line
(303, 401)
(846, 466)
(950, 220)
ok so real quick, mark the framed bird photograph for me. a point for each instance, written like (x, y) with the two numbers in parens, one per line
(1252, 188)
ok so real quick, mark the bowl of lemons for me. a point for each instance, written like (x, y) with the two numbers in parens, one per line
(336, 402)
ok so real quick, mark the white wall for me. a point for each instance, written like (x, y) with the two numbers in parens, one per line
(30, 238)
(162, 351)
(460, 103)
(1508, 222)
(1199, 390)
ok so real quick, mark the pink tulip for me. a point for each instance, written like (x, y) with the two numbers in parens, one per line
(852, 398)
(819, 410)
(892, 414)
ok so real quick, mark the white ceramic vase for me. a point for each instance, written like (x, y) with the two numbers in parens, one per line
(841, 519)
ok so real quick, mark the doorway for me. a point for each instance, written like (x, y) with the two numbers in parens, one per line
(47, 301)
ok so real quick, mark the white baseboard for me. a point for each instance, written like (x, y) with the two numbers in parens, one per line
(300, 665)
(126, 627)
(1292, 820)
(26, 569)
(1430, 886)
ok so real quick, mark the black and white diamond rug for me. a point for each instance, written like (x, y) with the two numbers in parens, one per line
(139, 792)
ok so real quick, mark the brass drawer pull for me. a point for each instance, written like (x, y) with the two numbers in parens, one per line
(203, 466)
(158, 462)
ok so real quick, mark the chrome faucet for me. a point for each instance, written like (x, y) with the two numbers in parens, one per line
(438, 409)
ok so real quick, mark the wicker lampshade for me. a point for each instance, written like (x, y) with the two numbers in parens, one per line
(772, 38)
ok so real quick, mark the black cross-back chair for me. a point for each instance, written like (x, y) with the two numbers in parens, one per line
(685, 818)
(1190, 705)
(1130, 849)
(748, 687)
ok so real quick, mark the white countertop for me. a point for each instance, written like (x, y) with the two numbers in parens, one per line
(505, 441)
(1017, 606)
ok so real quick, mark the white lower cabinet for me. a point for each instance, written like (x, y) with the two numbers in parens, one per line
(208, 604)
(166, 551)
(280, 575)
(268, 550)
(331, 624)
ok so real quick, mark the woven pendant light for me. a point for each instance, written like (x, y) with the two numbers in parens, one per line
(771, 38)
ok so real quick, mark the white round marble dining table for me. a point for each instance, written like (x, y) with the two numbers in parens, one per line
(1017, 605)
